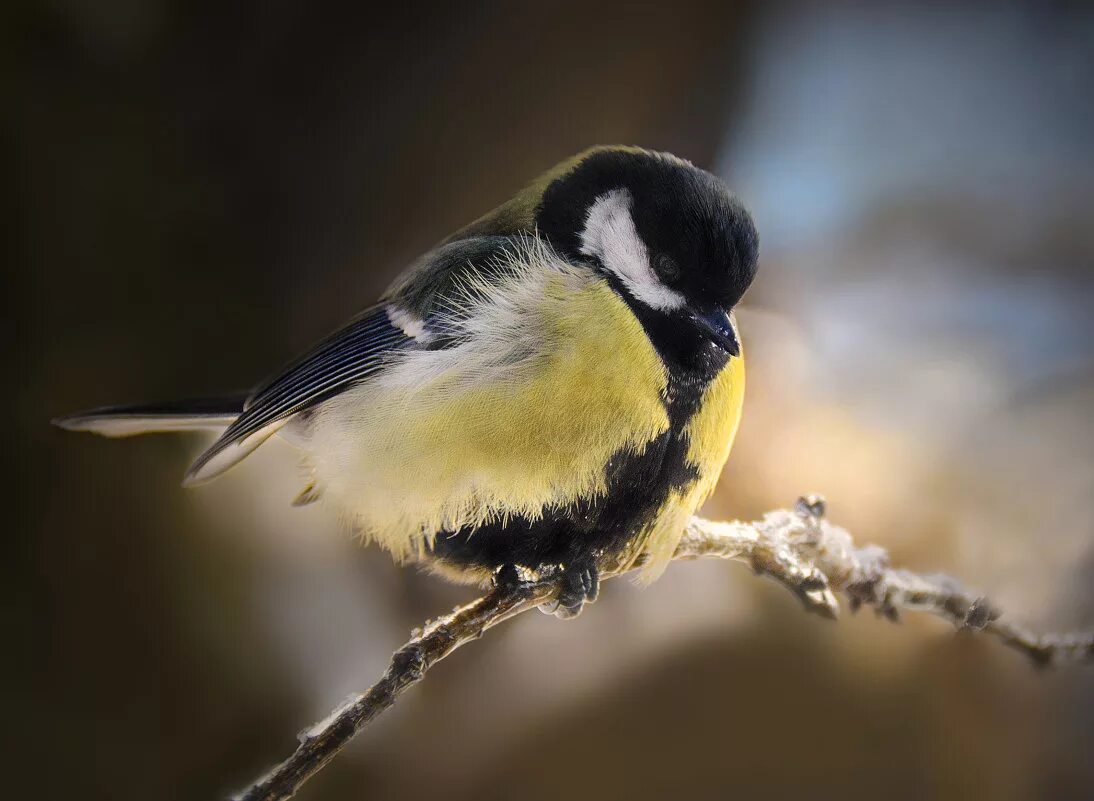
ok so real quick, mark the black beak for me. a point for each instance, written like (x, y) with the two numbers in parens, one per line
(716, 325)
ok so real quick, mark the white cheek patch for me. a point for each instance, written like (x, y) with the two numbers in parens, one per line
(409, 324)
(611, 237)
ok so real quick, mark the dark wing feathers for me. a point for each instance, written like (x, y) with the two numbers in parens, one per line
(359, 349)
(338, 360)
(336, 363)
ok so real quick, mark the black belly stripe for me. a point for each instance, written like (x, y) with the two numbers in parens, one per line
(638, 482)
(638, 485)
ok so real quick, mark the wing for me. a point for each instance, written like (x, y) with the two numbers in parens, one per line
(546, 379)
(346, 357)
(443, 279)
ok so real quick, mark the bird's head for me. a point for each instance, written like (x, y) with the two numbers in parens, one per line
(670, 236)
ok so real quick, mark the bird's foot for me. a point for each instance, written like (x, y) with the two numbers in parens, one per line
(511, 578)
(578, 584)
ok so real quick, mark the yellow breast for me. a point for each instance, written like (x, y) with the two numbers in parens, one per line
(710, 434)
(521, 416)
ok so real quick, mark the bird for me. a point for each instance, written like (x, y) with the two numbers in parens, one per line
(549, 393)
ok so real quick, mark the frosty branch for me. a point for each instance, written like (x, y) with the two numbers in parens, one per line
(814, 559)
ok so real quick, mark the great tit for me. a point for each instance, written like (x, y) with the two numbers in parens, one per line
(553, 390)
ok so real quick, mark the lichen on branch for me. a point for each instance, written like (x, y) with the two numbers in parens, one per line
(814, 559)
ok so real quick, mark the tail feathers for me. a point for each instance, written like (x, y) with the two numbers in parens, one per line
(127, 421)
(207, 414)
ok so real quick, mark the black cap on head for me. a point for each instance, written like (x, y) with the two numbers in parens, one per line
(699, 241)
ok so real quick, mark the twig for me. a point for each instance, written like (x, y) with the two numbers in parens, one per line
(797, 547)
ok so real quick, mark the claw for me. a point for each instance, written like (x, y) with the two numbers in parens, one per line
(508, 577)
(579, 583)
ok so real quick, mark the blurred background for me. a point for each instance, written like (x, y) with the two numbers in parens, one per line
(200, 191)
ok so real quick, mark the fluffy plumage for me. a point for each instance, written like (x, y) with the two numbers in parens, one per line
(556, 385)
(547, 374)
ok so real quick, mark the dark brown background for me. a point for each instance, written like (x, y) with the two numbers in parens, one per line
(199, 191)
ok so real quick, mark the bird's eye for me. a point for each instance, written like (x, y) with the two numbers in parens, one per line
(667, 267)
